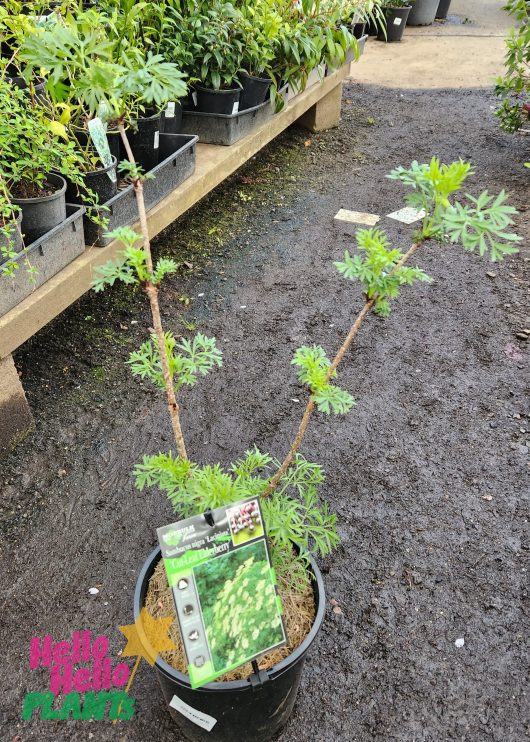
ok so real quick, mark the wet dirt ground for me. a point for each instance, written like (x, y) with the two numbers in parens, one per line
(429, 474)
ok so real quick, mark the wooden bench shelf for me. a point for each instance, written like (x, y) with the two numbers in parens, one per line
(317, 108)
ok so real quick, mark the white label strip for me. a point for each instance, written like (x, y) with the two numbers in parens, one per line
(157, 140)
(407, 215)
(170, 110)
(197, 717)
(235, 107)
(357, 217)
(397, 21)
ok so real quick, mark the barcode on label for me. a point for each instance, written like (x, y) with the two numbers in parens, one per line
(397, 21)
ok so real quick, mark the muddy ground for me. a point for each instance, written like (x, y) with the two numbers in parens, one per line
(429, 474)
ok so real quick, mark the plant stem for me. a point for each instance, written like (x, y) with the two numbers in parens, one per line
(338, 358)
(152, 293)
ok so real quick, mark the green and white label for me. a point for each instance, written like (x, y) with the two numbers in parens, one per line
(224, 589)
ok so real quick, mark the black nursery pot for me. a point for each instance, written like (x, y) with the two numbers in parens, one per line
(396, 20)
(143, 136)
(443, 9)
(43, 213)
(253, 709)
(359, 29)
(172, 121)
(217, 101)
(113, 138)
(98, 181)
(253, 90)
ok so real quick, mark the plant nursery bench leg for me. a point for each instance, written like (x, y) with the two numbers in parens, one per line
(325, 114)
(16, 420)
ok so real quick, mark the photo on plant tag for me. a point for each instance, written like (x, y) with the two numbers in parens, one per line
(239, 605)
(245, 522)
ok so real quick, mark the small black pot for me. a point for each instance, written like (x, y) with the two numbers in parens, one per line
(113, 138)
(14, 239)
(172, 124)
(253, 90)
(359, 29)
(39, 86)
(42, 213)
(217, 101)
(143, 136)
(253, 709)
(396, 20)
(443, 9)
(98, 182)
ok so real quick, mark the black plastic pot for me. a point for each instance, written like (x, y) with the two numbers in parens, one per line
(144, 138)
(396, 20)
(38, 87)
(97, 181)
(359, 30)
(113, 138)
(252, 710)
(172, 124)
(422, 12)
(443, 9)
(43, 213)
(217, 101)
(253, 90)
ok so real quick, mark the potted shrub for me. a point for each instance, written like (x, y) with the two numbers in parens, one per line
(33, 161)
(396, 13)
(297, 522)
(218, 50)
(259, 27)
(422, 12)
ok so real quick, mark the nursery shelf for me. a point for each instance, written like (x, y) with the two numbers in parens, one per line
(319, 106)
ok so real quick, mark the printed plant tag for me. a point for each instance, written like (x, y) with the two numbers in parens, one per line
(98, 134)
(170, 110)
(156, 140)
(197, 717)
(397, 21)
(224, 589)
(235, 108)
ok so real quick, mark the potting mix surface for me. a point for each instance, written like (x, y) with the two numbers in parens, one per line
(425, 634)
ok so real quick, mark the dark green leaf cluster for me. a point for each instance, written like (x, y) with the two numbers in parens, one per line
(313, 365)
(187, 359)
(293, 513)
(377, 269)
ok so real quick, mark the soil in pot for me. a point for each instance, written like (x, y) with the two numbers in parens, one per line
(97, 181)
(396, 20)
(443, 9)
(143, 136)
(225, 102)
(42, 209)
(299, 615)
(422, 12)
(253, 90)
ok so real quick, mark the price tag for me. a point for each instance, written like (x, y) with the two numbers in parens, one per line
(224, 587)
(98, 134)
(235, 107)
(170, 110)
(397, 21)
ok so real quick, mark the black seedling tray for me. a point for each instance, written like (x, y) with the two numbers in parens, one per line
(48, 255)
(177, 163)
(220, 128)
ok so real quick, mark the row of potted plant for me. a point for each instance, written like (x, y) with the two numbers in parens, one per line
(399, 13)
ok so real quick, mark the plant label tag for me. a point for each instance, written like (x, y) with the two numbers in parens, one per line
(224, 587)
(170, 110)
(156, 140)
(194, 97)
(397, 21)
(197, 717)
(98, 134)
(235, 108)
